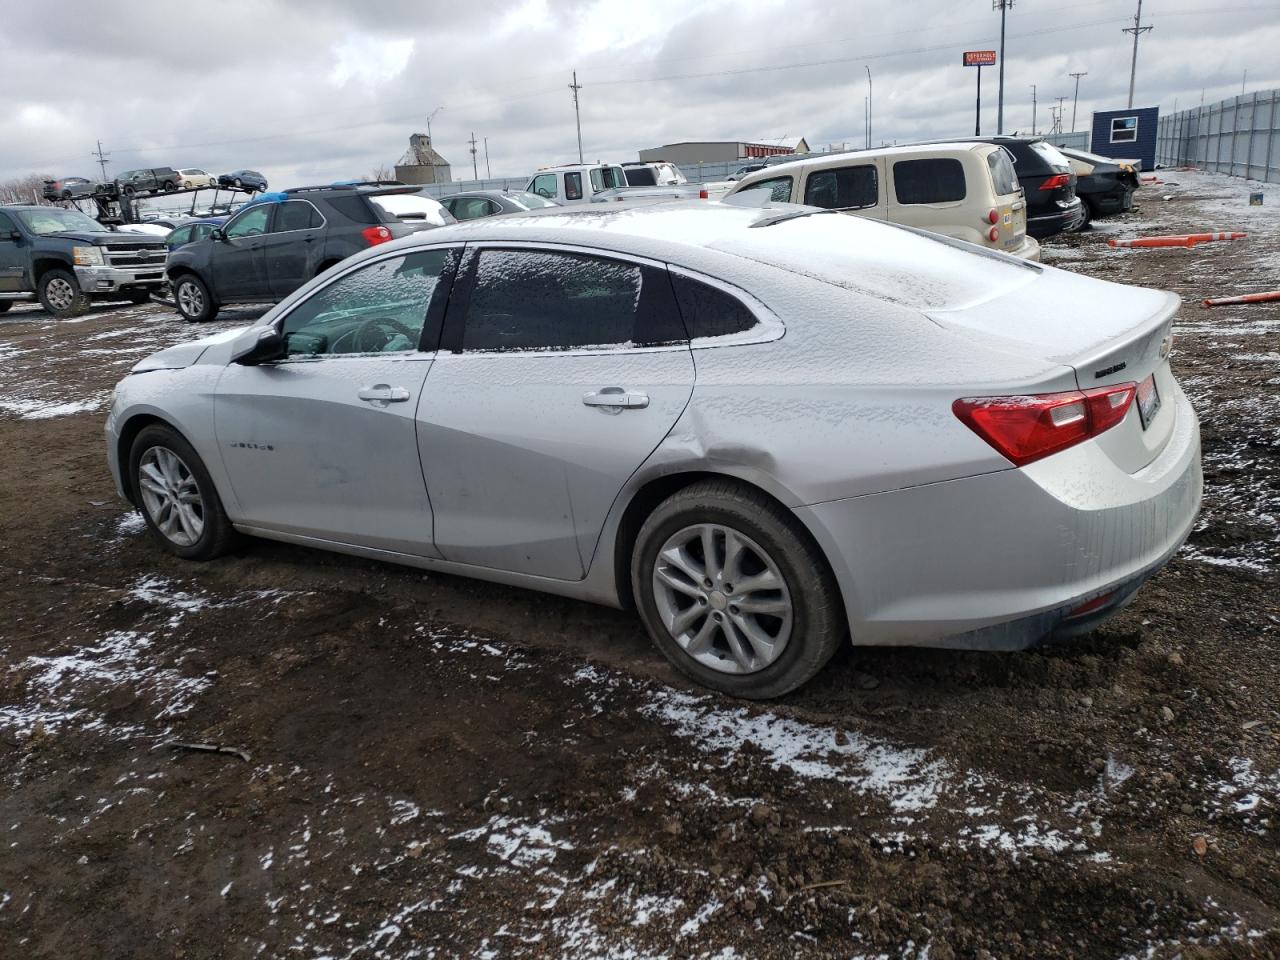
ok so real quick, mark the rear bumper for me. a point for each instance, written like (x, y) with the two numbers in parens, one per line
(1029, 249)
(1053, 222)
(1001, 560)
(1116, 200)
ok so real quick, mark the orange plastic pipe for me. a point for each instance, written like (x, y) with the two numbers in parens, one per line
(1267, 297)
(1183, 240)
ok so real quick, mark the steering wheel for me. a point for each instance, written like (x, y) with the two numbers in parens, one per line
(376, 333)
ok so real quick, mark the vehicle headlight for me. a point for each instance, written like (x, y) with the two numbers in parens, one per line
(87, 256)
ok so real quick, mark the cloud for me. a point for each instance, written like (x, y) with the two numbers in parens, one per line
(317, 90)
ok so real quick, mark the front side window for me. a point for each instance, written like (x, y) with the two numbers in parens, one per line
(543, 300)
(296, 215)
(379, 308)
(251, 223)
(544, 185)
(201, 231)
(844, 188)
(614, 177)
(6, 227)
(936, 180)
(573, 186)
(597, 180)
(779, 189)
(1124, 129)
(1004, 180)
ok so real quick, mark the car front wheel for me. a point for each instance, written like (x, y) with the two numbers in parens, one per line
(176, 495)
(194, 301)
(734, 592)
(60, 294)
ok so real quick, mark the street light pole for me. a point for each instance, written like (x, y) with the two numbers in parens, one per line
(868, 107)
(1076, 101)
(1002, 6)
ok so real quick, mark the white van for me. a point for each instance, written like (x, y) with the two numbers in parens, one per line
(576, 182)
(964, 190)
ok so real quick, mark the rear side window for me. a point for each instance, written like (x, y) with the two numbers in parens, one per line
(543, 300)
(779, 189)
(845, 188)
(544, 185)
(709, 311)
(1003, 180)
(640, 177)
(936, 180)
(573, 186)
(176, 239)
(354, 207)
(297, 215)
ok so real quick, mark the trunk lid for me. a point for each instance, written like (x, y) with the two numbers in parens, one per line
(1108, 333)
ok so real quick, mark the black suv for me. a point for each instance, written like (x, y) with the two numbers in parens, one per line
(272, 247)
(1047, 181)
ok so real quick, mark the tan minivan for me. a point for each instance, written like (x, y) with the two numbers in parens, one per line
(964, 190)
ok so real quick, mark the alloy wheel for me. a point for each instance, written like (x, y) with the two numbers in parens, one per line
(190, 299)
(722, 598)
(171, 495)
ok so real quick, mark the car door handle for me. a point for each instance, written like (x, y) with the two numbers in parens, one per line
(616, 398)
(382, 394)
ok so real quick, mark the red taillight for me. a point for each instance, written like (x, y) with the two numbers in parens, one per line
(993, 216)
(1024, 429)
(1097, 603)
(993, 234)
(703, 195)
(1057, 181)
(375, 235)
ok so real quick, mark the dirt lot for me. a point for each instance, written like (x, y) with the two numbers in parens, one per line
(442, 768)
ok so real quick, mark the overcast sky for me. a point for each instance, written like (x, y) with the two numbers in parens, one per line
(316, 90)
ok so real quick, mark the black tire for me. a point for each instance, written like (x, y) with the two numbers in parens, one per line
(217, 535)
(127, 190)
(170, 185)
(1087, 209)
(818, 623)
(66, 299)
(194, 301)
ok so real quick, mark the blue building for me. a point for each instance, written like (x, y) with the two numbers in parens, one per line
(1126, 134)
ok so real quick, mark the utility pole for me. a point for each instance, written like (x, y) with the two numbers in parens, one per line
(1137, 30)
(1033, 109)
(102, 160)
(1003, 6)
(1061, 112)
(866, 121)
(1243, 80)
(488, 173)
(475, 171)
(869, 107)
(1076, 101)
(577, 115)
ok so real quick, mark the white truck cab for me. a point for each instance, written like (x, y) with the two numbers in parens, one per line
(576, 182)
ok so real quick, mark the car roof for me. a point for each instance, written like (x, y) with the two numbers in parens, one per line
(576, 166)
(906, 150)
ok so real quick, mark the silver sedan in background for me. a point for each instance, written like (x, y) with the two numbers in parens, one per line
(766, 429)
(491, 203)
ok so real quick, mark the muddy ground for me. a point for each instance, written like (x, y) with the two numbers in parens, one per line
(436, 767)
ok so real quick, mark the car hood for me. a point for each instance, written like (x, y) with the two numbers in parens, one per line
(101, 239)
(184, 354)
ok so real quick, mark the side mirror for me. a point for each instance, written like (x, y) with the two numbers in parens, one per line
(15, 236)
(263, 346)
(218, 234)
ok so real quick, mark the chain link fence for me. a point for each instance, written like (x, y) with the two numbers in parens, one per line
(1239, 136)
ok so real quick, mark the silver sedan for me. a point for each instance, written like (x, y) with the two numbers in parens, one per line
(767, 430)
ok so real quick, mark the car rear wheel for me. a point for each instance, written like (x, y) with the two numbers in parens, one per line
(176, 495)
(1087, 209)
(60, 294)
(194, 300)
(734, 592)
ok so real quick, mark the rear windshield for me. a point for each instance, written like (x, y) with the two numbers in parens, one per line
(934, 180)
(1003, 180)
(414, 207)
(1051, 156)
(640, 177)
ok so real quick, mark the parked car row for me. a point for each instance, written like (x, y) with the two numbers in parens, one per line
(638, 458)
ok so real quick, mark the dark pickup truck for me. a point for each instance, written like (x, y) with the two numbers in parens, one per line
(65, 260)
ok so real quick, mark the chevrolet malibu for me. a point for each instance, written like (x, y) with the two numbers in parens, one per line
(766, 429)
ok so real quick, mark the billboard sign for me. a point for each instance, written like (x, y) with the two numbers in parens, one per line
(979, 58)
